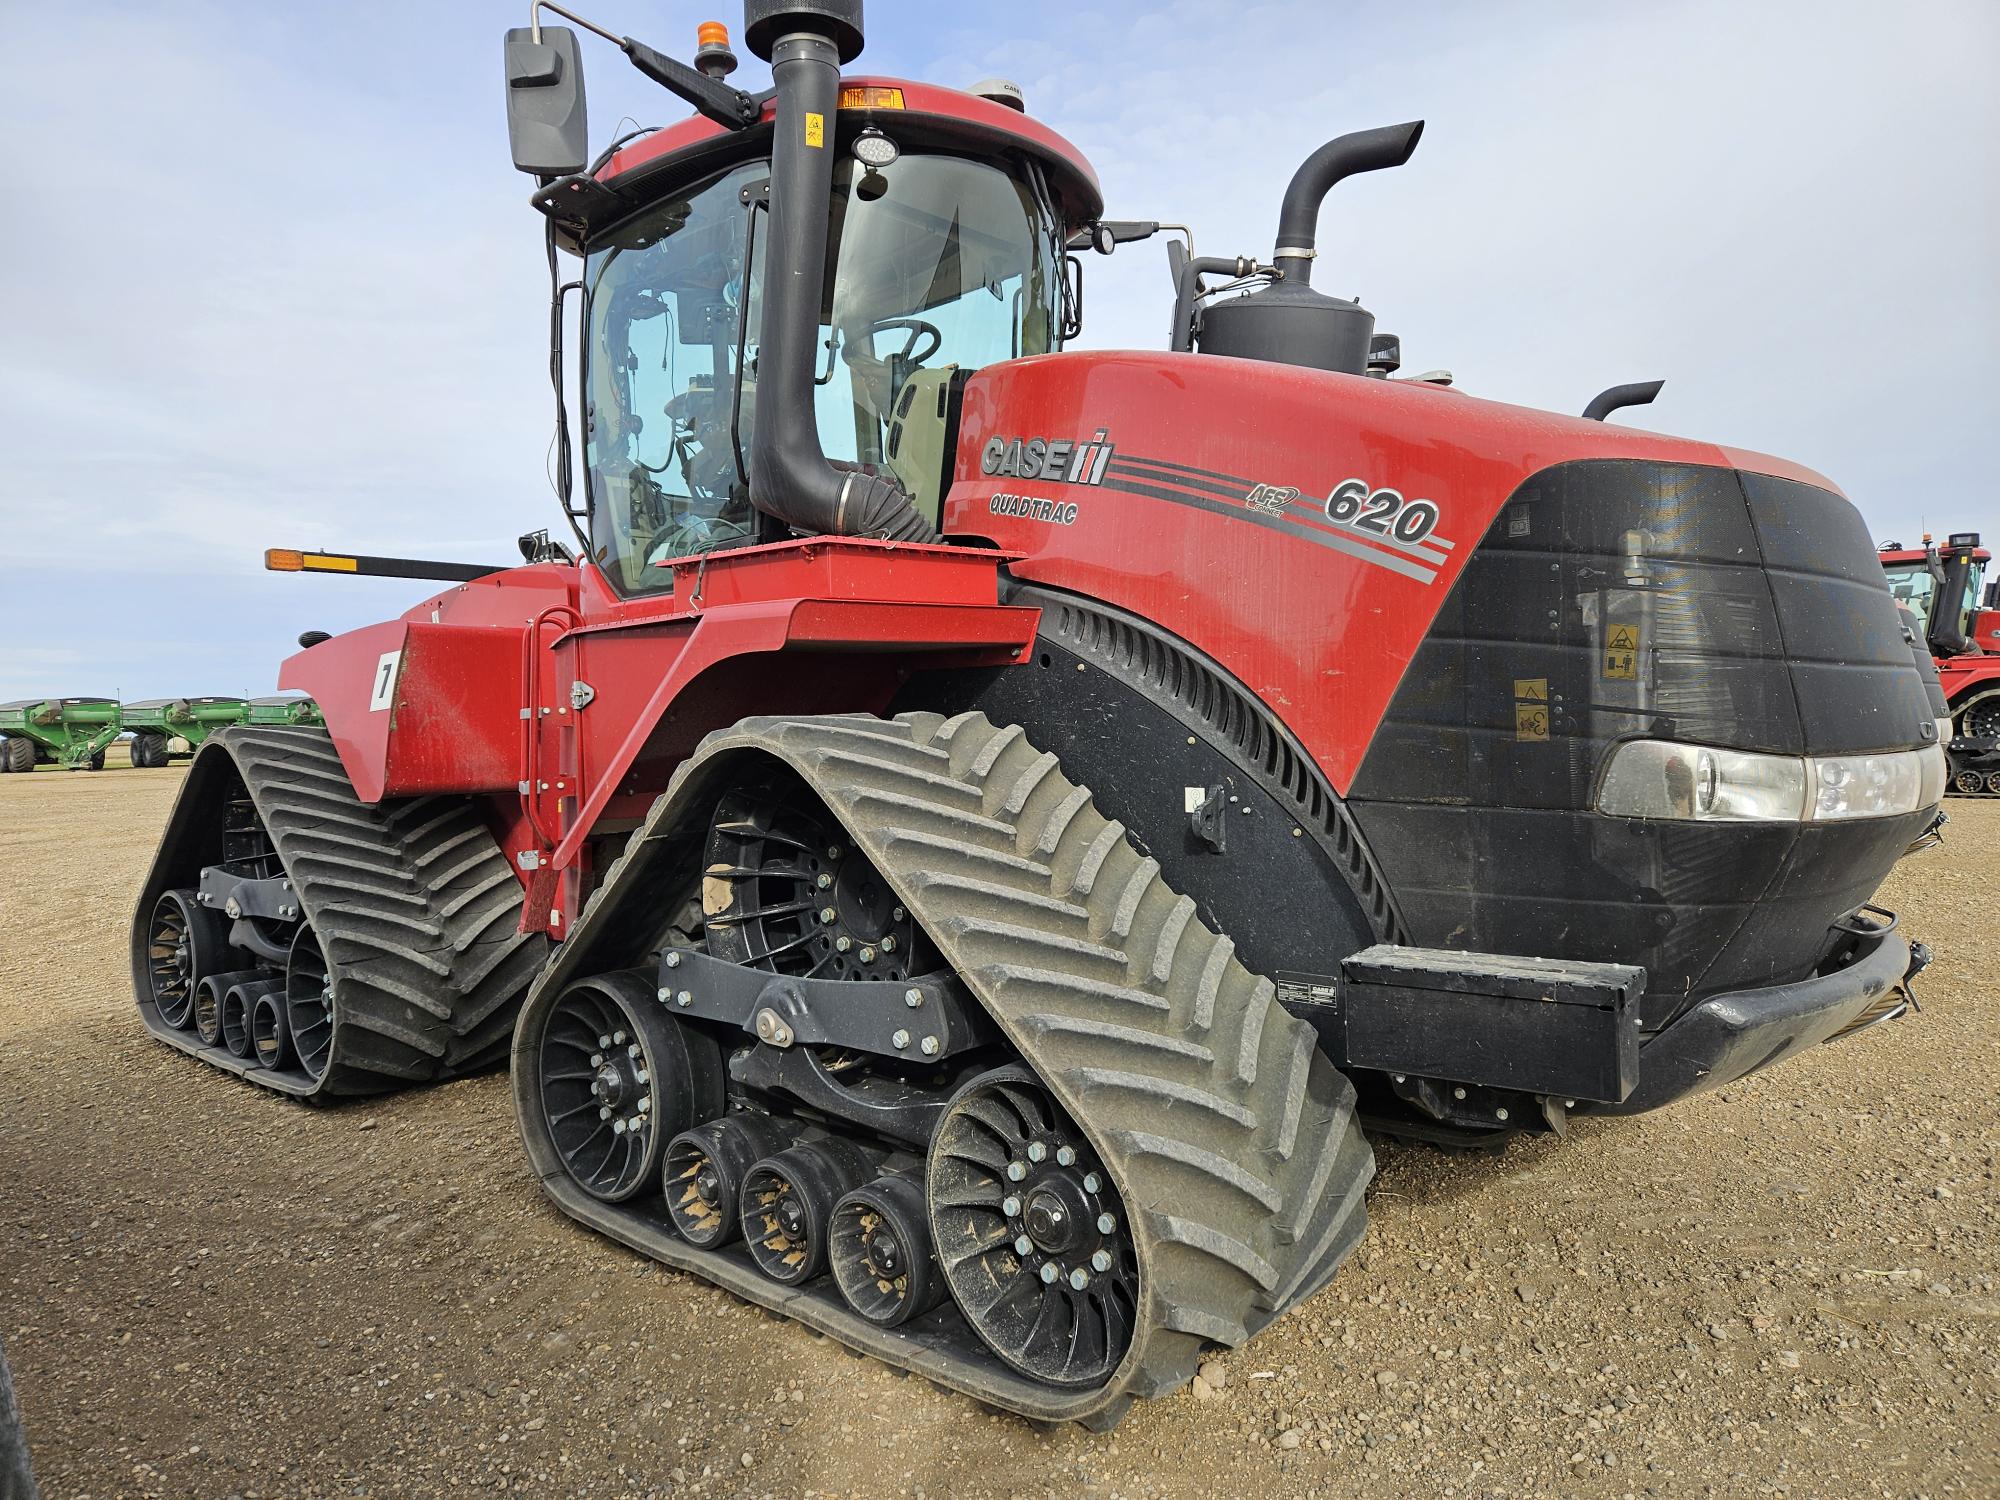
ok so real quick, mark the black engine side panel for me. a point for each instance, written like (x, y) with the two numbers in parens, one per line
(1147, 724)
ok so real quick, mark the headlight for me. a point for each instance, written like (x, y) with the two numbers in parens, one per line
(1698, 783)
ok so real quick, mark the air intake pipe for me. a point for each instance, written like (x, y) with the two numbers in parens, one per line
(1340, 158)
(791, 479)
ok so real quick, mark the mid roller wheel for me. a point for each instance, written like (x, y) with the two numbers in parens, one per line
(185, 942)
(1971, 783)
(704, 1173)
(616, 1078)
(788, 1202)
(1031, 1233)
(880, 1248)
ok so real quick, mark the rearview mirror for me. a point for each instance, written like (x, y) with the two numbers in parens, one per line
(546, 122)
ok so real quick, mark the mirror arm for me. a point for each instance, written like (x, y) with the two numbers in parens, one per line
(714, 100)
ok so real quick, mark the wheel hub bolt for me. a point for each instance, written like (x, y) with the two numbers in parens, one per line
(1024, 1246)
(901, 1039)
(898, 915)
(1065, 1156)
(618, 1037)
(826, 916)
(1092, 1182)
(825, 881)
(1037, 1151)
(645, 1103)
(791, 1218)
(833, 851)
(1101, 1261)
(617, 1127)
(1016, 1170)
(1079, 1278)
(597, 1059)
(889, 944)
(1105, 1224)
(1049, 1272)
(707, 1185)
(1011, 1206)
(884, 1253)
(603, 1114)
(842, 943)
(868, 955)
(604, 1044)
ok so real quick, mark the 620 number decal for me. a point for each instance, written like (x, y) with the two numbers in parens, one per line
(1382, 513)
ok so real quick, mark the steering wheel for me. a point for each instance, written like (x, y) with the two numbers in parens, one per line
(919, 330)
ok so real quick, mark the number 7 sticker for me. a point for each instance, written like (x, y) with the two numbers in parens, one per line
(384, 690)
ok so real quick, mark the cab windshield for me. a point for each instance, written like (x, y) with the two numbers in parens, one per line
(1914, 587)
(939, 265)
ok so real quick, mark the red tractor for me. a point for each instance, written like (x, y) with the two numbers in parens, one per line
(1956, 613)
(977, 830)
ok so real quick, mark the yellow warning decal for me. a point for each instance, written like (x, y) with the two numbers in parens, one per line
(1621, 651)
(1531, 689)
(815, 129)
(1531, 721)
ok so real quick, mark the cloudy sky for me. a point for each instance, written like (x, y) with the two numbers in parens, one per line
(269, 278)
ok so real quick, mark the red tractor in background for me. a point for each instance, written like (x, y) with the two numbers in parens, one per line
(1957, 616)
(976, 830)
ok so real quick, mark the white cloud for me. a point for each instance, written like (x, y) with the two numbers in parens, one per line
(269, 280)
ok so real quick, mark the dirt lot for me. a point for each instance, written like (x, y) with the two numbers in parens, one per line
(1785, 1288)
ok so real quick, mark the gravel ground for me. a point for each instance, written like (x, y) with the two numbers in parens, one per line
(1784, 1288)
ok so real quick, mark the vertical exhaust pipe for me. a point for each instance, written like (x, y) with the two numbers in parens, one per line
(1340, 158)
(805, 42)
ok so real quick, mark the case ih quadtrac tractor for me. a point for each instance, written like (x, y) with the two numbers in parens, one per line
(978, 831)
(1957, 617)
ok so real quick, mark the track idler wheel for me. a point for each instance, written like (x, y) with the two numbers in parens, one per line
(704, 1174)
(270, 1034)
(186, 941)
(1031, 1233)
(881, 1253)
(309, 1004)
(617, 1078)
(787, 1205)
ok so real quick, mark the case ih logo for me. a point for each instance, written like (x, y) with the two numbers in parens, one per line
(1060, 459)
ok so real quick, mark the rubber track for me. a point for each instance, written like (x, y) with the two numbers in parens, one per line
(414, 905)
(1231, 1138)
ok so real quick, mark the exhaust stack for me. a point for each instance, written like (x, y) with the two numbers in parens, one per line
(1287, 322)
(791, 479)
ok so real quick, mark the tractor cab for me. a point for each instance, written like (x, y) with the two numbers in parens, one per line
(775, 324)
(939, 265)
(1945, 588)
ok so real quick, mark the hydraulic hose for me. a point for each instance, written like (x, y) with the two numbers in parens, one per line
(790, 476)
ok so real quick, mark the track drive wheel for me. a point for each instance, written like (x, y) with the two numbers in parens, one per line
(616, 1078)
(187, 941)
(1030, 1231)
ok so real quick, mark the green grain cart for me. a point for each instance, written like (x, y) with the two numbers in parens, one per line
(165, 728)
(70, 732)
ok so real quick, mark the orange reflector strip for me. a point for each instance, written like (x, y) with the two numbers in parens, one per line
(871, 96)
(320, 562)
(281, 560)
